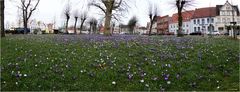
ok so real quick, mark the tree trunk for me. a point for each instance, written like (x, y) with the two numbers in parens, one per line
(90, 29)
(81, 26)
(95, 29)
(2, 18)
(66, 28)
(107, 24)
(75, 25)
(179, 31)
(150, 30)
(25, 26)
(25, 20)
(113, 28)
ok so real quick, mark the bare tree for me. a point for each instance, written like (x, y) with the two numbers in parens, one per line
(76, 19)
(28, 7)
(153, 13)
(67, 11)
(108, 7)
(83, 18)
(181, 4)
(2, 18)
(132, 23)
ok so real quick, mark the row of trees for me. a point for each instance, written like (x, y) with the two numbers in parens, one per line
(110, 8)
(83, 16)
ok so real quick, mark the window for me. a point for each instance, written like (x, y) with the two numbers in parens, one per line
(208, 20)
(198, 21)
(220, 28)
(199, 28)
(228, 20)
(212, 20)
(195, 29)
(224, 20)
(223, 13)
(194, 21)
(229, 13)
(203, 21)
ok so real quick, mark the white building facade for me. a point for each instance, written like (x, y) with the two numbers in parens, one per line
(173, 27)
(225, 14)
(204, 20)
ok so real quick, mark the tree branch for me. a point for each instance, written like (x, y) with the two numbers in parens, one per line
(31, 10)
(98, 6)
(117, 5)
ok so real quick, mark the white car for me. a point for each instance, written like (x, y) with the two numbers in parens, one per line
(122, 33)
(214, 33)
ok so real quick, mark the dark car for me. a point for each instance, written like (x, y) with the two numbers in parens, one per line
(196, 33)
(226, 34)
(21, 31)
(8, 31)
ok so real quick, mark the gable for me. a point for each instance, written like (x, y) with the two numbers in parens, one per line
(226, 6)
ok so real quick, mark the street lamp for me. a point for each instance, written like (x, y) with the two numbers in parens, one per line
(203, 25)
(233, 24)
(211, 29)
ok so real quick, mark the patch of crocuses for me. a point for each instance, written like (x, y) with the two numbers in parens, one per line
(118, 63)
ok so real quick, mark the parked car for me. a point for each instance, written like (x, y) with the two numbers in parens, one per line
(21, 31)
(226, 34)
(214, 33)
(9, 31)
(37, 31)
(123, 33)
(196, 33)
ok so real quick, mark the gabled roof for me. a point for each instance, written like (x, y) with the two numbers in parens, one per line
(218, 7)
(164, 18)
(187, 16)
(161, 17)
(235, 7)
(205, 12)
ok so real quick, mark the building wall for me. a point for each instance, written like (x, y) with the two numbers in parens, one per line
(173, 27)
(222, 21)
(202, 24)
(163, 24)
(225, 17)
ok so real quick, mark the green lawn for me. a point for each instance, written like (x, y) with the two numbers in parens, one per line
(126, 63)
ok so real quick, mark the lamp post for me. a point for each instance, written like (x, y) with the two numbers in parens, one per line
(233, 23)
(210, 29)
(203, 25)
(233, 33)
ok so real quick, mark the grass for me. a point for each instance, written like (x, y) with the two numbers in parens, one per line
(126, 63)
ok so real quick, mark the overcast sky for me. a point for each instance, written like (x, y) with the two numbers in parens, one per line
(48, 10)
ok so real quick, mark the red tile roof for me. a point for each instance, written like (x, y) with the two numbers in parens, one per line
(205, 12)
(187, 16)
